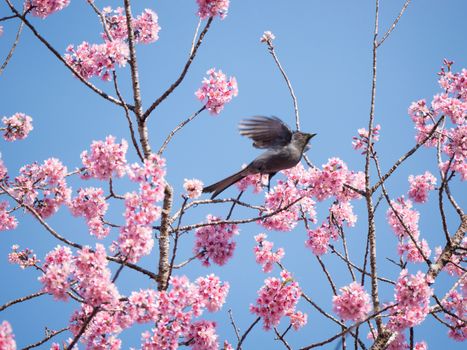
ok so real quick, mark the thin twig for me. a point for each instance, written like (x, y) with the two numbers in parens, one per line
(177, 82)
(232, 321)
(281, 338)
(177, 128)
(13, 47)
(61, 59)
(47, 338)
(393, 26)
(20, 300)
(242, 339)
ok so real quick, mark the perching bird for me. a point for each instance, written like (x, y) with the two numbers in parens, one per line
(284, 150)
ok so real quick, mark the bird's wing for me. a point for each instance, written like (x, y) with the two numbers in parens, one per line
(266, 132)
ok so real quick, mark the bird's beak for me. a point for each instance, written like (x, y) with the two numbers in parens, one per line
(312, 135)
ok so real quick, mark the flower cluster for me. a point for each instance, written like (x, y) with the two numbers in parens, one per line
(452, 103)
(216, 90)
(24, 258)
(91, 204)
(278, 298)
(215, 242)
(403, 211)
(17, 127)
(212, 292)
(212, 8)
(7, 221)
(97, 60)
(361, 141)
(267, 37)
(193, 188)
(455, 303)
(173, 313)
(416, 252)
(256, 181)
(264, 254)
(420, 185)
(342, 211)
(318, 239)
(58, 267)
(47, 179)
(412, 295)
(145, 27)
(141, 211)
(454, 266)
(353, 303)
(7, 338)
(44, 8)
(105, 160)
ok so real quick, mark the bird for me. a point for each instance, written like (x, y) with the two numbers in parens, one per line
(284, 149)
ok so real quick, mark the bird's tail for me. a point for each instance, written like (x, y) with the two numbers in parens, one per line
(220, 186)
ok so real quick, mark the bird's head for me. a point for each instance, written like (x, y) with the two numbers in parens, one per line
(302, 138)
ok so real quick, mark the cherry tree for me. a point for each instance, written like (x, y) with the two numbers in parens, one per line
(133, 214)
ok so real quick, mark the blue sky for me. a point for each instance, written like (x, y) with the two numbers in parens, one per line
(325, 48)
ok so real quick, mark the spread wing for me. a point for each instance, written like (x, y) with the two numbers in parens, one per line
(266, 132)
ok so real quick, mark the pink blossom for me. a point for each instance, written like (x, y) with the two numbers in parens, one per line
(94, 286)
(420, 185)
(58, 267)
(330, 180)
(277, 298)
(318, 239)
(421, 346)
(216, 90)
(412, 295)
(43, 187)
(97, 59)
(106, 159)
(343, 211)
(267, 37)
(135, 241)
(7, 338)
(7, 221)
(145, 27)
(264, 254)
(91, 204)
(361, 141)
(454, 83)
(212, 8)
(413, 253)
(44, 8)
(3, 171)
(202, 335)
(456, 303)
(17, 127)
(227, 346)
(353, 303)
(143, 305)
(298, 319)
(453, 267)
(24, 258)
(215, 242)
(256, 181)
(193, 188)
(212, 292)
(102, 331)
(409, 217)
(453, 107)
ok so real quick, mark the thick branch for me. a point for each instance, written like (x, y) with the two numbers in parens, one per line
(164, 266)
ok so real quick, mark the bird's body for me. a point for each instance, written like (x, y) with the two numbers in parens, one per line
(284, 150)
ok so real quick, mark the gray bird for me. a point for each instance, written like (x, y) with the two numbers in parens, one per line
(284, 150)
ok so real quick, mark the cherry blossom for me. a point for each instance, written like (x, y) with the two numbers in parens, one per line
(412, 295)
(58, 267)
(43, 187)
(318, 239)
(212, 292)
(277, 298)
(7, 338)
(361, 141)
(202, 336)
(420, 185)
(7, 221)
(410, 217)
(267, 37)
(44, 8)
(343, 212)
(91, 204)
(264, 254)
(413, 253)
(24, 258)
(216, 90)
(455, 303)
(193, 188)
(17, 127)
(212, 8)
(215, 242)
(89, 60)
(106, 159)
(353, 303)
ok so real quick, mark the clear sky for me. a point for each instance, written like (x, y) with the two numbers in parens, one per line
(325, 48)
